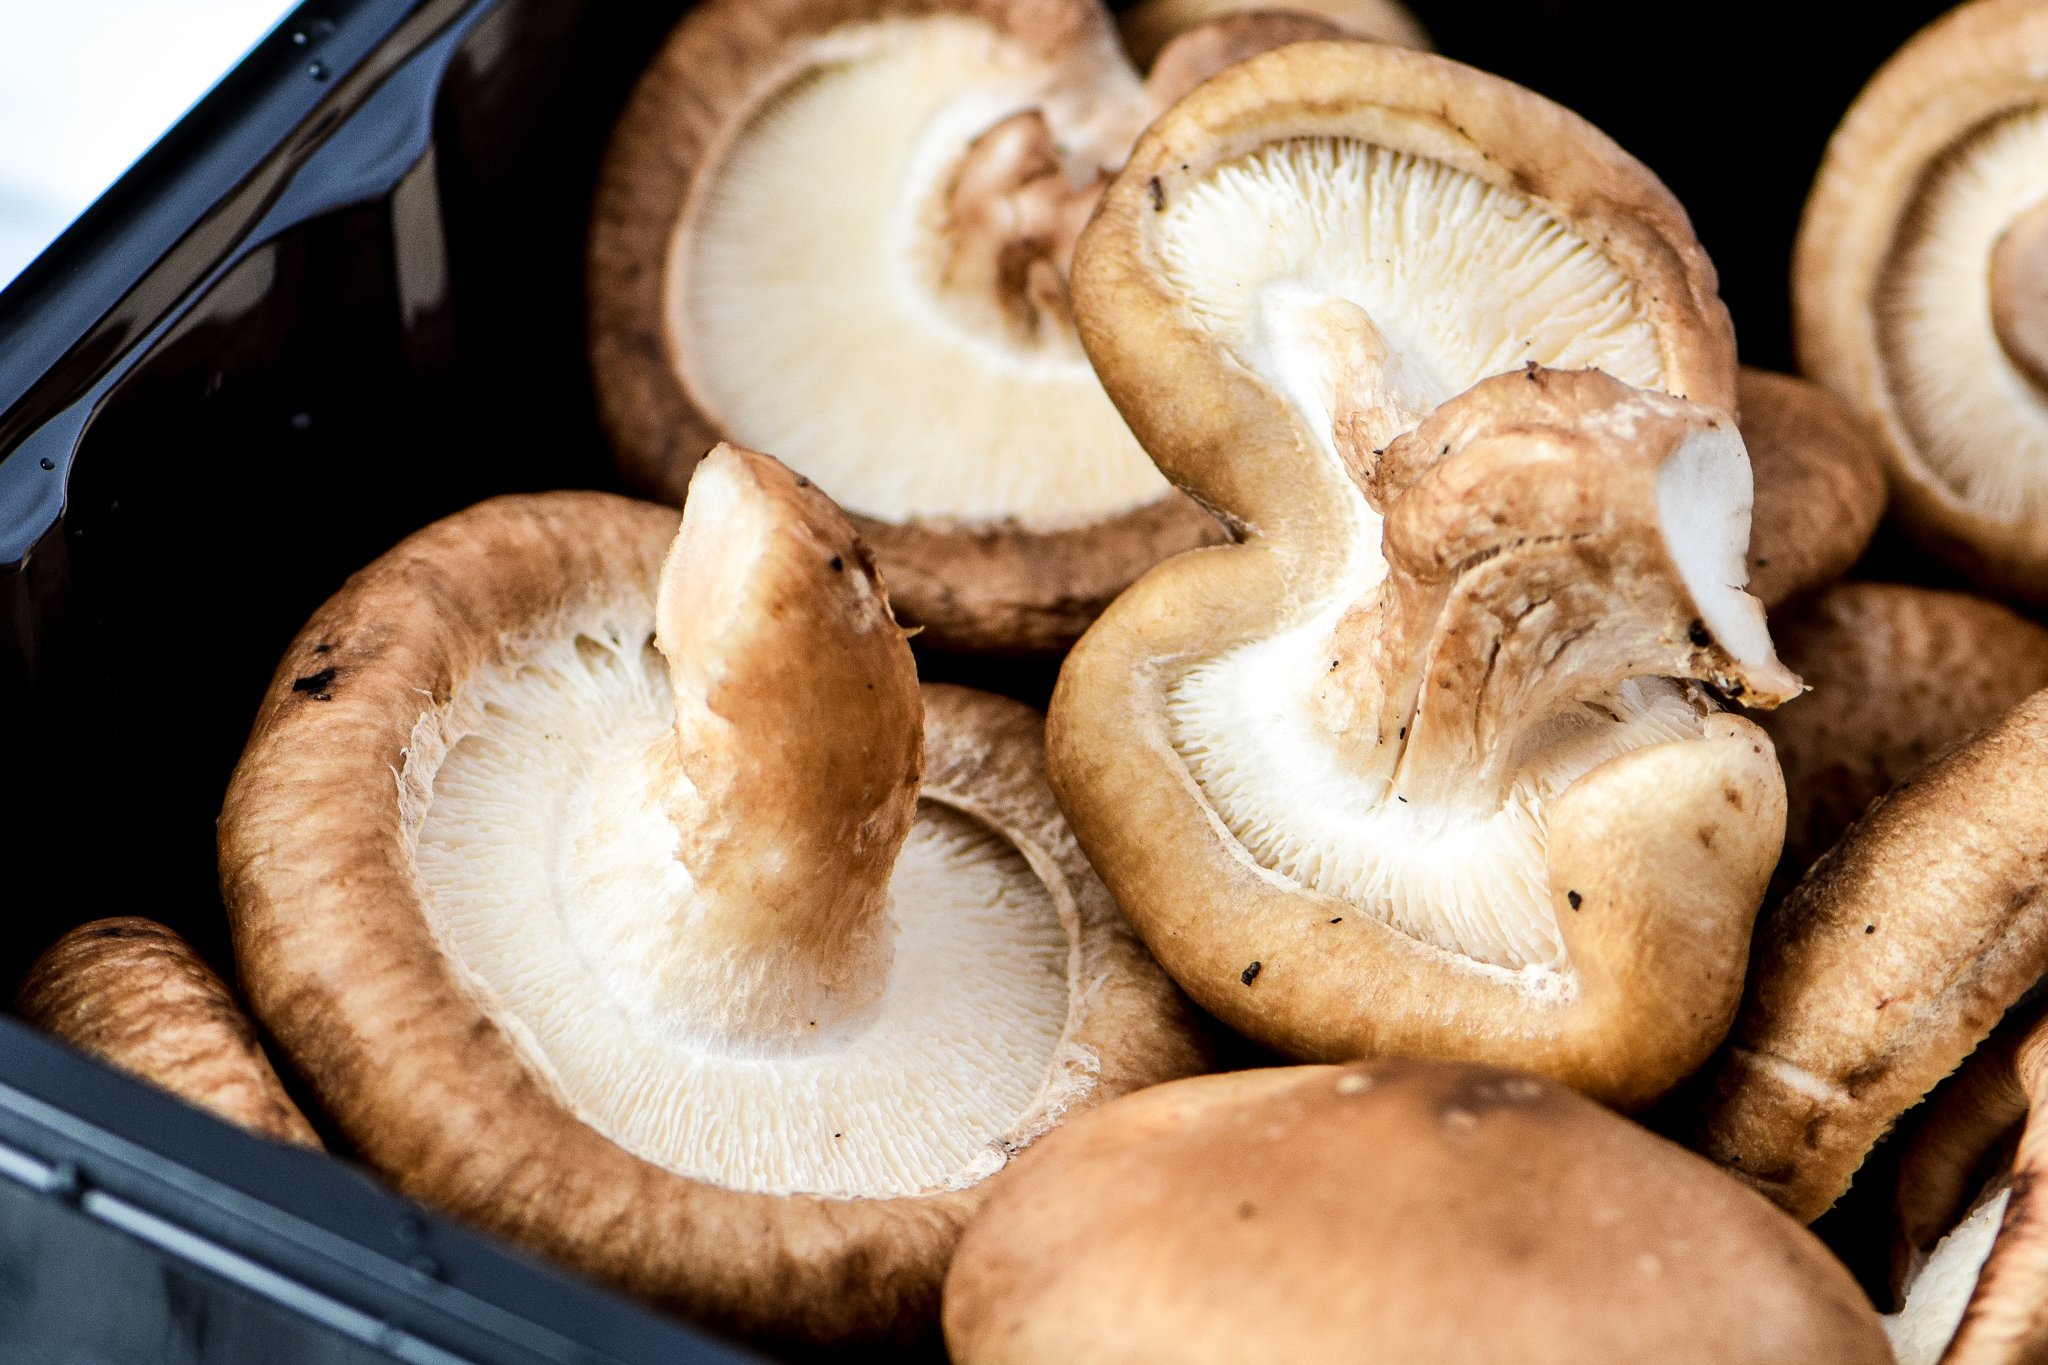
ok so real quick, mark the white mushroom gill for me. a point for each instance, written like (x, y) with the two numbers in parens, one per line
(1367, 287)
(808, 293)
(1937, 1295)
(1979, 421)
(547, 882)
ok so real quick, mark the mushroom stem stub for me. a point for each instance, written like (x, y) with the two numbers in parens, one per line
(792, 773)
(1541, 550)
(2019, 292)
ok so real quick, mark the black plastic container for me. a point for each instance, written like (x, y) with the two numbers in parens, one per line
(343, 298)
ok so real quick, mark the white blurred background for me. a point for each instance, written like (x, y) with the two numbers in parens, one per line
(87, 85)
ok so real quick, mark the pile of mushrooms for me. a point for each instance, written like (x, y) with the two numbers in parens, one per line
(611, 882)
(839, 231)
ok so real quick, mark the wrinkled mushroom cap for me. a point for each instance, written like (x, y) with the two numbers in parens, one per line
(1820, 486)
(621, 922)
(1388, 1212)
(137, 996)
(1320, 769)
(1919, 287)
(1895, 957)
(1895, 675)
(839, 230)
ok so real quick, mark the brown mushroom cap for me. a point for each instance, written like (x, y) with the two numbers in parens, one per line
(1388, 1212)
(1916, 293)
(1894, 676)
(1150, 28)
(1973, 1268)
(1820, 487)
(743, 905)
(135, 995)
(839, 229)
(1316, 768)
(1893, 959)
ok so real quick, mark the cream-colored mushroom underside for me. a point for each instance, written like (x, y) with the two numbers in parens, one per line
(1978, 423)
(543, 881)
(804, 307)
(1937, 1296)
(1462, 280)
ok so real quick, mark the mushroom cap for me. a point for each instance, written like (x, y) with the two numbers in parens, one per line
(1973, 1272)
(1273, 292)
(1388, 1212)
(137, 996)
(1820, 486)
(1895, 957)
(837, 230)
(1149, 28)
(380, 770)
(1940, 159)
(1895, 675)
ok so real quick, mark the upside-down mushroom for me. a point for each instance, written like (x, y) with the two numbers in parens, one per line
(1404, 772)
(1387, 1214)
(619, 890)
(1896, 956)
(1971, 1263)
(1151, 27)
(1820, 488)
(134, 994)
(1921, 285)
(1894, 676)
(840, 230)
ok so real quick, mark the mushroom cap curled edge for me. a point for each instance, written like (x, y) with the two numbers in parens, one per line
(137, 996)
(1404, 772)
(839, 230)
(1893, 959)
(1150, 28)
(1383, 1214)
(1920, 286)
(620, 891)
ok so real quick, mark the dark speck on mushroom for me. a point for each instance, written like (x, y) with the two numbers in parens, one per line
(1158, 195)
(1251, 973)
(1338, 920)
(837, 563)
(802, 482)
(1574, 899)
(323, 649)
(1698, 635)
(1870, 928)
(316, 683)
(1246, 1209)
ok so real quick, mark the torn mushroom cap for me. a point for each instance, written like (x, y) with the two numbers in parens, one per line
(1921, 285)
(658, 956)
(1448, 800)
(1359, 1215)
(134, 994)
(1820, 487)
(1884, 968)
(1972, 1266)
(840, 231)
(1894, 676)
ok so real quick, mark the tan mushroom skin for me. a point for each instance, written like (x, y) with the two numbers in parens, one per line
(1919, 286)
(1894, 958)
(1404, 772)
(1895, 675)
(1385, 1214)
(1820, 486)
(622, 891)
(840, 230)
(134, 994)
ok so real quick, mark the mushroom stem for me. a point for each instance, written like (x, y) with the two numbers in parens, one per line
(1536, 561)
(2019, 292)
(1011, 219)
(791, 776)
